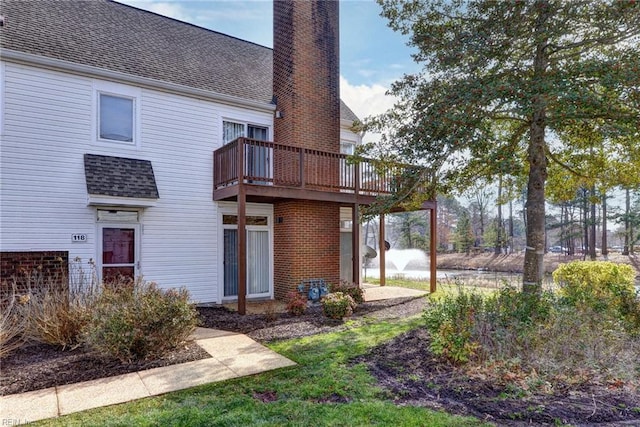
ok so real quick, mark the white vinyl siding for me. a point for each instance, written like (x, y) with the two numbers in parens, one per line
(49, 123)
(47, 126)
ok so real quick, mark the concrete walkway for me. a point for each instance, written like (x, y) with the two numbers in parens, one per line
(232, 355)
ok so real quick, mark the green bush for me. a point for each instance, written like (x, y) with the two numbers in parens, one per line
(140, 322)
(507, 319)
(538, 339)
(451, 321)
(353, 290)
(602, 286)
(296, 303)
(338, 305)
(469, 326)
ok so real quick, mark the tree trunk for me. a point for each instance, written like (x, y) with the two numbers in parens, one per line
(511, 226)
(535, 207)
(627, 223)
(498, 248)
(605, 243)
(585, 224)
(533, 270)
(592, 225)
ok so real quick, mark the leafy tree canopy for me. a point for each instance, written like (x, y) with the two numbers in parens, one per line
(502, 86)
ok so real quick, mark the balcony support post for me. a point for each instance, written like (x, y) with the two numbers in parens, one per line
(382, 249)
(433, 218)
(242, 233)
(355, 243)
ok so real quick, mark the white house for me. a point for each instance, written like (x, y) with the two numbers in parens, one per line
(109, 119)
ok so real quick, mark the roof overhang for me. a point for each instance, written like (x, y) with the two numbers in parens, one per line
(119, 181)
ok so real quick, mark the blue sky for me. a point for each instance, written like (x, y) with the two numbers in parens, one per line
(372, 56)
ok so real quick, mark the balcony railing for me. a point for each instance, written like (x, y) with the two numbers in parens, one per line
(265, 163)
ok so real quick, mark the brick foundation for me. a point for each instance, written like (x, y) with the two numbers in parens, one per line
(32, 269)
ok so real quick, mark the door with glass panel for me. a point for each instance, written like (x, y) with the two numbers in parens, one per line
(258, 256)
(120, 253)
(257, 156)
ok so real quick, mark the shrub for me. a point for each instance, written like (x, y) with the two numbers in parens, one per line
(338, 305)
(579, 345)
(351, 289)
(140, 322)
(57, 315)
(451, 321)
(296, 303)
(602, 286)
(270, 311)
(535, 339)
(12, 322)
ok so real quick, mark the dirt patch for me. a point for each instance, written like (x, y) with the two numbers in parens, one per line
(286, 326)
(413, 376)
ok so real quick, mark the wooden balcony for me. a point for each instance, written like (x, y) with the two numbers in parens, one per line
(268, 171)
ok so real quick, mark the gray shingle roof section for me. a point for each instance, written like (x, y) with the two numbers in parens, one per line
(119, 177)
(121, 38)
(117, 37)
(346, 113)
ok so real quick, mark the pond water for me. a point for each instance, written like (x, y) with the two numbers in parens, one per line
(440, 274)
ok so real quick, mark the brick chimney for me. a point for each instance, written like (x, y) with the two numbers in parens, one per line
(306, 87)
(306, 72)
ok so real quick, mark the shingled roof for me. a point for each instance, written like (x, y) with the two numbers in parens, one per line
(122, 38)
(119, 177)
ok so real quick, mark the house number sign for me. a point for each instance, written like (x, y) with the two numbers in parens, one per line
(78, 237)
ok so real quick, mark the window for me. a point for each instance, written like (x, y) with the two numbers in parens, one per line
(233, 130)
(347, 147)
(257, 158)
(115, 118)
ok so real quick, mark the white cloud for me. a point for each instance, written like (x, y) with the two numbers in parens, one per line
(170, 9)
(365, 100)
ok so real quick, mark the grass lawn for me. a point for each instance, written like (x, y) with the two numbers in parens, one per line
(323, 390)
(446, 286)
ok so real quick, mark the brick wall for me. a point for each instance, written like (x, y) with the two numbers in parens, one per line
(306, 74)
(307, 243)
(33, 269)
(307, 89)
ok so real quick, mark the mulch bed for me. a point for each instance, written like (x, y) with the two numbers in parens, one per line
(411, 375)
(404, 368)
(42, 366)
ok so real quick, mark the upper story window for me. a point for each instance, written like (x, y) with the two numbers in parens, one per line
(116, 114)
(233, 130)
(347, 147)
(116, 118)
